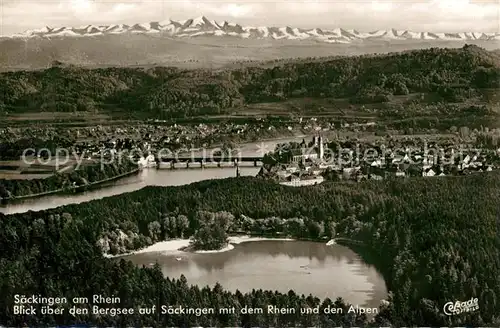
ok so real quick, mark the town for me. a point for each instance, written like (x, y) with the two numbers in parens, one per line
(308, 163)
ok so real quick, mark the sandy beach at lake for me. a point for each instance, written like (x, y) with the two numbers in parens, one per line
(177, 246)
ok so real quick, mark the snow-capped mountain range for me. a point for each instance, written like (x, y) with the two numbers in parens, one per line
(202, 26)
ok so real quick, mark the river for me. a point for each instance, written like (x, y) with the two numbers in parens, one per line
(302, 266)
(149, 177)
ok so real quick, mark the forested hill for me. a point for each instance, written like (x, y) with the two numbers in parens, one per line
(453, 74)
(436, 241)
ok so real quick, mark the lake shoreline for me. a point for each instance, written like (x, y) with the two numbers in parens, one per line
(168, 253)
(180, 246)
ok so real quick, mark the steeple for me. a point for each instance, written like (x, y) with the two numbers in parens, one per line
(321, 149)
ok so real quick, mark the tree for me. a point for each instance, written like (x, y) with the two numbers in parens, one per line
(224, 219)
(210, 236)
(400, 88)
(316, 229)
(154, 229)
(295, 226)
(330, 231)
(182, 224)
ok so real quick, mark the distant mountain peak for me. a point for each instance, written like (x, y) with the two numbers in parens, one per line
(202, 26)
(201, 20)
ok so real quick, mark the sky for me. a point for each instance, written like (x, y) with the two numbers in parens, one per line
(417, 15)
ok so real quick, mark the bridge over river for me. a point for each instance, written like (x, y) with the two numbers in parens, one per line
(204, 161)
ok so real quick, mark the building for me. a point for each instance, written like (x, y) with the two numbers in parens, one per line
(312, 153)
(321, 149)
(305, 154)
(147, 162)
(428, 172)
(297, 182)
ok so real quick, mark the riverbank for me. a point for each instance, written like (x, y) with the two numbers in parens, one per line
(133, 183)
(249, 147)
(71, 190)
(179, 246)
(100, 182)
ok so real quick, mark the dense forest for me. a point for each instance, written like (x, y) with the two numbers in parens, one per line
(453, 75)
(85, 175)
(435, 240)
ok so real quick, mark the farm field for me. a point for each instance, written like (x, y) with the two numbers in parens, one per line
(35, 168)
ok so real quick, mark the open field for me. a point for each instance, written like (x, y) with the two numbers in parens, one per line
(57, 116)
(13, 175)
(19, 169)
(72, 119)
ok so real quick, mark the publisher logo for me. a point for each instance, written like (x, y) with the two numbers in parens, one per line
(454, 308)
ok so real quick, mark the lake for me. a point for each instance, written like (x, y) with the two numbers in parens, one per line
(302, 266)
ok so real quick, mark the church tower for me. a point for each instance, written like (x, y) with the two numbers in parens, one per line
(321, 149)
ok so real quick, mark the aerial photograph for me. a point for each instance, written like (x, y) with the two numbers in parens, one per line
(271, 163)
